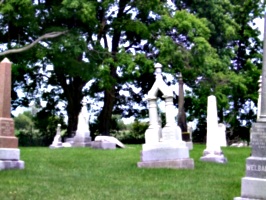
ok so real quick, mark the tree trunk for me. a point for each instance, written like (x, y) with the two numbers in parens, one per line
(109, 93)
(73, 94)
(182, 123)
(106, 114)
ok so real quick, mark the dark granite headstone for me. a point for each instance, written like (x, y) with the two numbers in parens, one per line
(254, 183)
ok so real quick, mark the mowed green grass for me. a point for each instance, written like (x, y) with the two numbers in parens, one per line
(84, 173)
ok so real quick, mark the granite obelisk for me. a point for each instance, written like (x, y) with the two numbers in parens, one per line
(254, 183)
(9, 152)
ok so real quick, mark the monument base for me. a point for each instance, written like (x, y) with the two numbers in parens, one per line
(252, 188)
(186, 163)
(11, 164)
(9, 154)
(9, 159)
(213, 156)
(56, 146)
(189, 145)
(103, 145)
(164, 151)
(81, 142)
(174, 154)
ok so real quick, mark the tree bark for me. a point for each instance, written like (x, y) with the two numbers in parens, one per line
(109, 93)
(74, 96)
(182, 123)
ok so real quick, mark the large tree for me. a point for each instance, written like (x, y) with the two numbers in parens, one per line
(116, 43)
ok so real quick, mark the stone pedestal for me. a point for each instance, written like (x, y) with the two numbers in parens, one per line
(9, 152)
(166, 155)
(82, 139)
(103, 145)
(253, 185)
(163, 147)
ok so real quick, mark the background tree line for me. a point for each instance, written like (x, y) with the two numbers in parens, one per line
(113, 45)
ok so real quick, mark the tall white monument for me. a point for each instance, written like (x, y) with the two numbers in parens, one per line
(163, 147)
(213, 151)
(254, 183)
(57, 142)
(82, 137)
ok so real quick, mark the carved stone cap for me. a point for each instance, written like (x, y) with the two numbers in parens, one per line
(5, 60)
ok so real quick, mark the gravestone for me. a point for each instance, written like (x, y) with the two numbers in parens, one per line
(106, 142)
(189, 130)
(253, 185)
(222, 135)
(57, 142)
(213, 151)
(163, 147)
(9, 152)
(82, 137)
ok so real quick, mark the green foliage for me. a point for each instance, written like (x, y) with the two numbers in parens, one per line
(116, 43)
(24, 121)
(135, 133)
(36, 130)
(47, 125)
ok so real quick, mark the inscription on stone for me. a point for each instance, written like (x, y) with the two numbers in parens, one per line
(6, 128)
(257, 168)
(168, 134)
(259, 141)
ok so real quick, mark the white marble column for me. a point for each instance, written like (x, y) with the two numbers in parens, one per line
(212, 144)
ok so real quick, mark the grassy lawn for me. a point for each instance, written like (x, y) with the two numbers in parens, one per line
(84, 173)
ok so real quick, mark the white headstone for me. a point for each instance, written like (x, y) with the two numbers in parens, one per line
(109, 139)
(163, 147)
(57, 143)
(82, 137)
(222, 135)
(213, 152)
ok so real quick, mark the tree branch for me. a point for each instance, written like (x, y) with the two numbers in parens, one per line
(45, 36)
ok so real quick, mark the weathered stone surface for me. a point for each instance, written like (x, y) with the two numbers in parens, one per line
(6, 127)
(81, 141)
(167, 153)
(103, 145)
(11, 164)
(9, 154)
(8, 142)
(214, 158)
(254, 183)
(176, 164)
(189, 145)
(109, 139)
(258, 140)
(256, 167)
(253, 188)
(5, 88)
